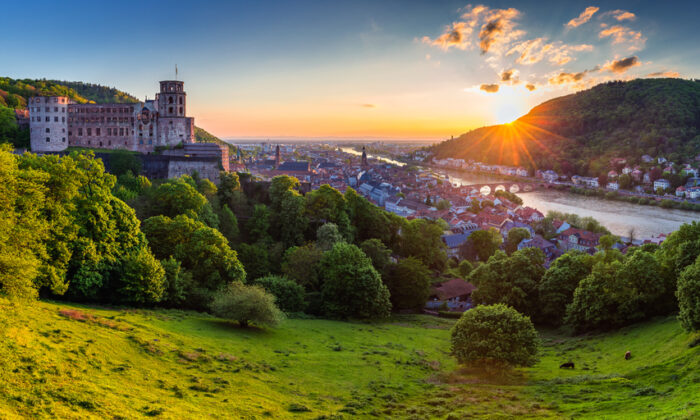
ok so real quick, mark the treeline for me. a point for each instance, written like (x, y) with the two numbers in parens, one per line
(580, 133)
(67, 230)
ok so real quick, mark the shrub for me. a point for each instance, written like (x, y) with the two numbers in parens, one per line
(688, 294)
(246, 304)
(289, 295)
(495, 334)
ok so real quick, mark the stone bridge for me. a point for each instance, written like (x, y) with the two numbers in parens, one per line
(514, 187)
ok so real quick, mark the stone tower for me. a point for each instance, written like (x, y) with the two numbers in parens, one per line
(364, 157)
(48, 124)
(277, 157)
(173, 125)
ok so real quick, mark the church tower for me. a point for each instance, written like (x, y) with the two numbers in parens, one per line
(364, 157)
(278, 161)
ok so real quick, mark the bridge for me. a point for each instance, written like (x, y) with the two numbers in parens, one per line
(514, 187)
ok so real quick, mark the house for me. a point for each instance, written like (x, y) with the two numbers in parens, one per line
(693, 193)
(612, 174)
(560, 225)
(550, 176)
(680, 191)
(454, 295)
(511, 225)
(626, 170)
(529, 214)
(662, 183)
(537, 241)
(580, 239)
(454, 242)
(637, 175)
(522, 172)
(647, 159)
(613, 185)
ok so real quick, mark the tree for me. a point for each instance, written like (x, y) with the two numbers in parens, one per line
(228, 225)
(287, 205)
(422, 239)
(408, 282)
(689, 297)
(229, 184)
(327, 205)
(481, 245)
(443, 205)
(289, 295)
(255, 260)
(141, 279)
(495, 334)
(177, 283)
(515, 236)
(122, 161)
(559, 283)
(608, 241)
(258, 226)
(246, 304)
(370, 221)
(327, 236)
(175, 197)
(300, 264)
(625, 181)
(350, 286)
(377, 252)
(464, 268)
(510, 280)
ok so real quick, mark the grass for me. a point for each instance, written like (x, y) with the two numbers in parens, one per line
(60, 360)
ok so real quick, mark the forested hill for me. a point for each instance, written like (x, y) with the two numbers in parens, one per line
(580, 133)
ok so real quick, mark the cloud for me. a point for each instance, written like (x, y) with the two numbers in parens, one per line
(667, 73)
(499, 29)
(623, 35)
(565, 77)
(510, 76)
(490, 88)
(621, 66)
(621, 15)
(530, 87)
(584, 17)
(457, 35)
(535, 50)
(368, 106)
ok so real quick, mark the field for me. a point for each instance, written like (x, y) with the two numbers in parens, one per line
(70, 361)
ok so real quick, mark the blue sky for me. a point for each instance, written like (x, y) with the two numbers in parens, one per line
(354, 68)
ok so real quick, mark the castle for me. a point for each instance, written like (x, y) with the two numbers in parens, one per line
(56, 122)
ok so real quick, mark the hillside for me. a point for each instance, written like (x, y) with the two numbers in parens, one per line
(580, 133)
(68, 361)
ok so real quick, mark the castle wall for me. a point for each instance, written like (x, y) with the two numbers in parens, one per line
(105, 126)
(206, 167)
(48, 126)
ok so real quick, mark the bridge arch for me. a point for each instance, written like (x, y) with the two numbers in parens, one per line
(500, 188)
(514, 188)
(527, 188)
(485, 190)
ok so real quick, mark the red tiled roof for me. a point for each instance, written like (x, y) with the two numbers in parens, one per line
(452, 288)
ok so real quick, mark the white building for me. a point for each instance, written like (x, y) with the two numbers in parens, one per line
(48, 123)
(662, 183)
(614, 186)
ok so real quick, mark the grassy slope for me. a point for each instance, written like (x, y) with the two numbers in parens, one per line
(174, 364)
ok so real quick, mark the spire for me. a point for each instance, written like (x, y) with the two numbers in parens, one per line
(364, 157)
(277, 156)
(175, 71)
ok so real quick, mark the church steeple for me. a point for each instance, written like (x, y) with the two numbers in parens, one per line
(277, 157)
(364, 157)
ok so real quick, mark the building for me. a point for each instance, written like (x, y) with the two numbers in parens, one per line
(56, 123)
(451, 295)
(580, 239)
(662, 183)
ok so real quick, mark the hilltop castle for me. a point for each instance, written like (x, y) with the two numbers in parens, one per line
(56, 122)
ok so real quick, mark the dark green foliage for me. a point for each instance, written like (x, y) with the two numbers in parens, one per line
(495, 334)
(559, 283)
(246, 304)
(327, 236)
(255, 260)
(177, 283)
(421, 238)
(301, 265)
(689, 297)
(327, 205)
(481, 245)
(122, 161)
(515, 236)
(409, 284)
(579, 133)
(228, 225)
(464, 268)
(258, 226)
(370, 221)
(229, 184)
(289, 295)
(350, 286)
(140, 280)
(289, 221)
(377, 252)
(513, 198)
(511, 280)
(10, 131)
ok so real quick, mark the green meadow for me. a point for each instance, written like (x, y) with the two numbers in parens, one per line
(60, 360)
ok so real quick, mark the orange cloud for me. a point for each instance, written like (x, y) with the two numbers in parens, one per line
(456, 36)
(490, 88)
(621, 15)
(623, 35)
(673, 74)
(368, 106)
(535, 50)
(621, 66)
(499, 29)
(564, 77)
(530, 87)
(584, 17)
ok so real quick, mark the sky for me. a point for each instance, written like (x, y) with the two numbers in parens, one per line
(352, 69)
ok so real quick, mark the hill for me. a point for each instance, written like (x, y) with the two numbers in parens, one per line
(581, 132)
(68, 361)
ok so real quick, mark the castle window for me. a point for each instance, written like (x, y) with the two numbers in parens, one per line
(63, 119)
(55, 119)
(180, 110)
(48, 109)
(97, 131)
(121, 131)
(181, 101)
(89, 142)
(48, 119)
(48, 139)
(100, 143)
(55, 109)
(64, 139)
(89, 131)
(80, 131)
(48, 130)
(170, 100)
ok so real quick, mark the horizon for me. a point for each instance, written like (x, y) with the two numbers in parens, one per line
(362, 71)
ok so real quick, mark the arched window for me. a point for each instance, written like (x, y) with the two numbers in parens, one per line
(170, 100)
(181, 110)
(180, 100)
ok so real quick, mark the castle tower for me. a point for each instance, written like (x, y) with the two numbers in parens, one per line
(364, 157)
(277, 157)
(173, 125)
(48, 123)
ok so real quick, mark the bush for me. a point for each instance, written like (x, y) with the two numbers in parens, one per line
(289, 295)
(246, 304)
(688, 294)
(495, 334)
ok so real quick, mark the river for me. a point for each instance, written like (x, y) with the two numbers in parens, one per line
(617, 216)
(352, 151)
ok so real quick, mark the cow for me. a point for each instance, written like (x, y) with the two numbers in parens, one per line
(567, 365)
(628, 355)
